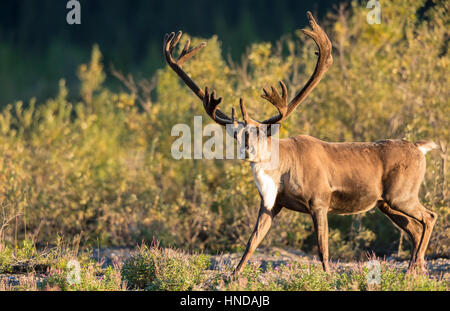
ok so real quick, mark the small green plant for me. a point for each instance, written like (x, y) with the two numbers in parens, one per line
(21, 258)
(6, 254)
(91, 279)
(79, 273)
(392, 280)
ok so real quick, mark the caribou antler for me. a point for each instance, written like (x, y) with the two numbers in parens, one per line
(209, 101)
(324, 61)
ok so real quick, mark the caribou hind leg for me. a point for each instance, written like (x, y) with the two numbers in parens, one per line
(429, 220)
(414, 211)
(408, 224)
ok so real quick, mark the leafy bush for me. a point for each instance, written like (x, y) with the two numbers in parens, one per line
(154, 268)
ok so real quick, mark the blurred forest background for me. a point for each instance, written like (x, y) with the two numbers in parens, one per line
(38, 47)
(85, 148)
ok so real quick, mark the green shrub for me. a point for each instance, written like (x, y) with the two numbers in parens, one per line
(22, 258)
(153, 268)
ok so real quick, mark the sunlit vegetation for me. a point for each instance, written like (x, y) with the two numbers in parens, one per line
(101, 164)
(152, 268)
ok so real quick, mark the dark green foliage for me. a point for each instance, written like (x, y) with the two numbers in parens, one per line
(37, 47)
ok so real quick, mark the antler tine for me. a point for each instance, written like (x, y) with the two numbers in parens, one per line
(215, 102)
(167, 44)
(185, 49)
(175, 41)
(243, 110)
(233, 115)
(187, 54)
(245, 116)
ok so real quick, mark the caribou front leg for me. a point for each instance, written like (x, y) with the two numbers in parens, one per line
(262, 226)
(320, 219)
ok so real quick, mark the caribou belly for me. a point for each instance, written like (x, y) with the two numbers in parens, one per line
(351, 202)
